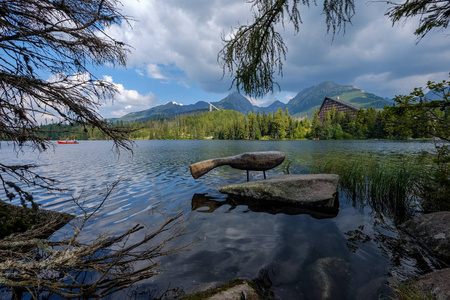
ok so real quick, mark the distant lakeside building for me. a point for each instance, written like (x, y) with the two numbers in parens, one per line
(328, 103)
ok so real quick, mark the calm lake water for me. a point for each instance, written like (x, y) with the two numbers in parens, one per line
(284, 251)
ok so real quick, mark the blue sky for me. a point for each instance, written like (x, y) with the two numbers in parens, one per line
(175, 45)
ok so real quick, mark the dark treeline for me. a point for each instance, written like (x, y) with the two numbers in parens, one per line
(367, 124)
(232, 125)
(224, 124)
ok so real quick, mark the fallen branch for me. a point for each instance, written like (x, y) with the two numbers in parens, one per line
(38, 265)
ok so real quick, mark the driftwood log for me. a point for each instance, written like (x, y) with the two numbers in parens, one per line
(249, 161)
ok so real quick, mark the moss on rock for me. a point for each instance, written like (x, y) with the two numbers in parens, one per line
(17, 219)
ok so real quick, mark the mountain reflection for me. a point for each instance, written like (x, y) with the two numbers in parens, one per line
(207, 204)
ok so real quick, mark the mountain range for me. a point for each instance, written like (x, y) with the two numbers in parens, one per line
(303, 104)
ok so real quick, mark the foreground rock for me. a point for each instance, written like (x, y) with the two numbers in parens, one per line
(308, 190)
(432, 231)
(44, 222)
(235, 290)
(433, 285)
(238, 292)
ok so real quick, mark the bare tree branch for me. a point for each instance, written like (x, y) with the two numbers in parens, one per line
(39, 265)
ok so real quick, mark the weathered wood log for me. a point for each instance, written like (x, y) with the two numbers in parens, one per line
(250, 161)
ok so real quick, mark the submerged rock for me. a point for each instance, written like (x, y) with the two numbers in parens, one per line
(306, 190)
(327, 277)
(376, 286)
(432, 231)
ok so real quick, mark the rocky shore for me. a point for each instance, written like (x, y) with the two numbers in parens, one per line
(432, 231)
(319, 191)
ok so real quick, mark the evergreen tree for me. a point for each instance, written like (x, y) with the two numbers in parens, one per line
(265, 124)
(316, 127)
(254, 132)
(279, 125)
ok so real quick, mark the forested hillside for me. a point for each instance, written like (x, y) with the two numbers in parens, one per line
(309, 99)
(232, 125)
(303, 104)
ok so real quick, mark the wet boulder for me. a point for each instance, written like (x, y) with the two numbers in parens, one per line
(432, 231)
(238, 292)
(433, 285)
(306, 190)
(235, 290)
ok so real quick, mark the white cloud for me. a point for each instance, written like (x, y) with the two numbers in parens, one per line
(260, 102)
(126, 101)
(399, 85)
(154, 71)
(177, 42)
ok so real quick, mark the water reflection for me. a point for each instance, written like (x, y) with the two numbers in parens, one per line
(208, 204)
(280, 247)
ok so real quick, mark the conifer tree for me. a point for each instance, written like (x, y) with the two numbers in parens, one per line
(46, 48)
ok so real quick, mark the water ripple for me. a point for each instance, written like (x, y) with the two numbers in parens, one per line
(231, 241)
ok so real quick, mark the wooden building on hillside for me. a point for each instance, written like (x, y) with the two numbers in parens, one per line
(328, 104)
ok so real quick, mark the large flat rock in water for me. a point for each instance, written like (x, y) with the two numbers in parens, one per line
(308, 190)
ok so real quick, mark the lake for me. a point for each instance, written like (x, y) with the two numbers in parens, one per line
(282, 250)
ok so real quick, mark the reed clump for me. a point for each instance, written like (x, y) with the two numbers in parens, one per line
(391, 183)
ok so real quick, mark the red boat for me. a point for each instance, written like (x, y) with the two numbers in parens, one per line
(68, 142)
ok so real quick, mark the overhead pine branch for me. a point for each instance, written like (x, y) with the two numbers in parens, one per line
(46, 50)
(59, 38)
(255, 52)
(434, 14)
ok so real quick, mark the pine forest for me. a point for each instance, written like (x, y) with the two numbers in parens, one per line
(232, 125)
